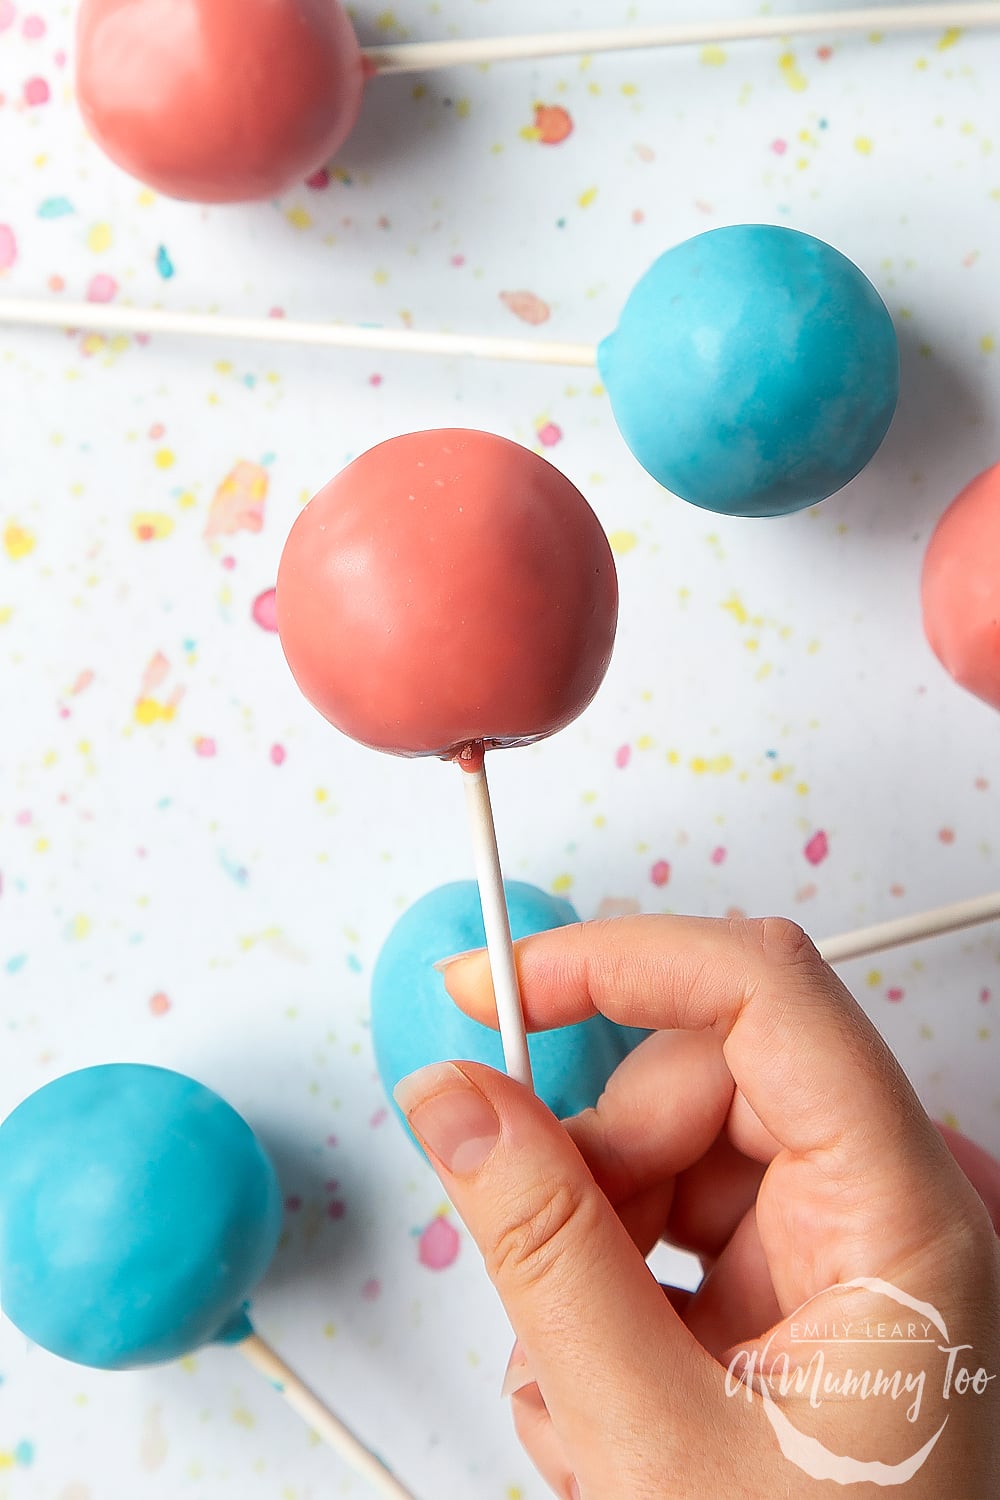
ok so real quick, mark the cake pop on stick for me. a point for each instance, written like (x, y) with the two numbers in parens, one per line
(223, 101)
(446, 594)
(960, 588)
(754, 371)
(138, 1210)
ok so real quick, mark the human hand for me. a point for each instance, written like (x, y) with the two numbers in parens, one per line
(767, 1127)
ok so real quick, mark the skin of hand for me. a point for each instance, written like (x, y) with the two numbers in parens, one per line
(766, 1126)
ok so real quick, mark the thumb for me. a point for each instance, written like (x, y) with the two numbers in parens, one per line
(608, 1352)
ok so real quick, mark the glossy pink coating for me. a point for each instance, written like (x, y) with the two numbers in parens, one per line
(961, 588)
(447, 588)
(219, 101)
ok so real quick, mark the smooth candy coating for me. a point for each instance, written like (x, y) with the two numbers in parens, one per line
(447, 588)
(137, 1210)
(961, 588)
(219, 101)
(754, 371)
(414, 1020)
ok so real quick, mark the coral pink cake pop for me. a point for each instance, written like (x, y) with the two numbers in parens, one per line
(961, 588)
(448, 588)
(219, 101)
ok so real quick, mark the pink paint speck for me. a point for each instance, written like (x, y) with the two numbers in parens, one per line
(318, 180)
(159, 1004)
(293, 1204)
(660, 873)
(549, 435)
(817, 848)
(984, 996)
(824, 53)
(372, 1289)
(204, 747)
(336, 1209)
(265, 610)
(229, 563)
(375, 380)
(102, 288)
(379, 1118)
(8, 247)
(779, 147)
(64, 712)
(895, 994)
(458, 260)
(156, 431)
(33, 27)
(718, 856)
(36, 91)
(7, 14)
(439, 1244)
(622, 756)
(947, 835)
(278, 755)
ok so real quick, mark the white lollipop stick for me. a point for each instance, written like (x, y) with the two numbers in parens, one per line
(497, 923)
(103, 319)
(416, 57)
(954, 918)
(257, 1352)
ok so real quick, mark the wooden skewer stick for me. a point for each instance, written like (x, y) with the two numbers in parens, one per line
(497, 923)
(954, 918)
(257, 1352)
(413, 57)
(104, 319)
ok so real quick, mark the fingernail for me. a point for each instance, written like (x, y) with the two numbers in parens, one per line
(456, 1122)
(453, 958)
(517, 1375)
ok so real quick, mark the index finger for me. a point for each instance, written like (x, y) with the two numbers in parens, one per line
(803, 1053)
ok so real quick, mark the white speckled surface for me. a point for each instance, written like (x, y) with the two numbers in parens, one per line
(197, 871)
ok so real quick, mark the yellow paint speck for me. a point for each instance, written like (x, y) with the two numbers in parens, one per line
(151, 525)
(713, 57)
(629, 89)
(873, 978)
(100, 238)
(149, 711)
(6, 613)
(562, 883)
(298, 218)
(321, 794)
(462, 108)
(79, 927)
(987, 343)
(163, 458)
(186, 501)
(864, 145)
(41, 846)
(18, 542)
(244, 1418)
(645, 742)
(386, 20)
(792, 73)
(949, 39)
(587, 197)
(623, 541)
(734, 606)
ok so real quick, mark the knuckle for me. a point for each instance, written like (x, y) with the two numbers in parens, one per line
(543, 1225)
(779, 942)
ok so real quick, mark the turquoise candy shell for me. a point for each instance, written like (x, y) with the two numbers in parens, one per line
(755, 370)
(415, 1022)
(137, 1210)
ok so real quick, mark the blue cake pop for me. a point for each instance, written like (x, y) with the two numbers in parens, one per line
(137, 1210)
(754, 371)
(414, 1020)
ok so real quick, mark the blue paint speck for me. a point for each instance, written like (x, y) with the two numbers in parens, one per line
(55, 208)
(164, 264)
(24, 1453)
(354, 963)
(15, 964)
